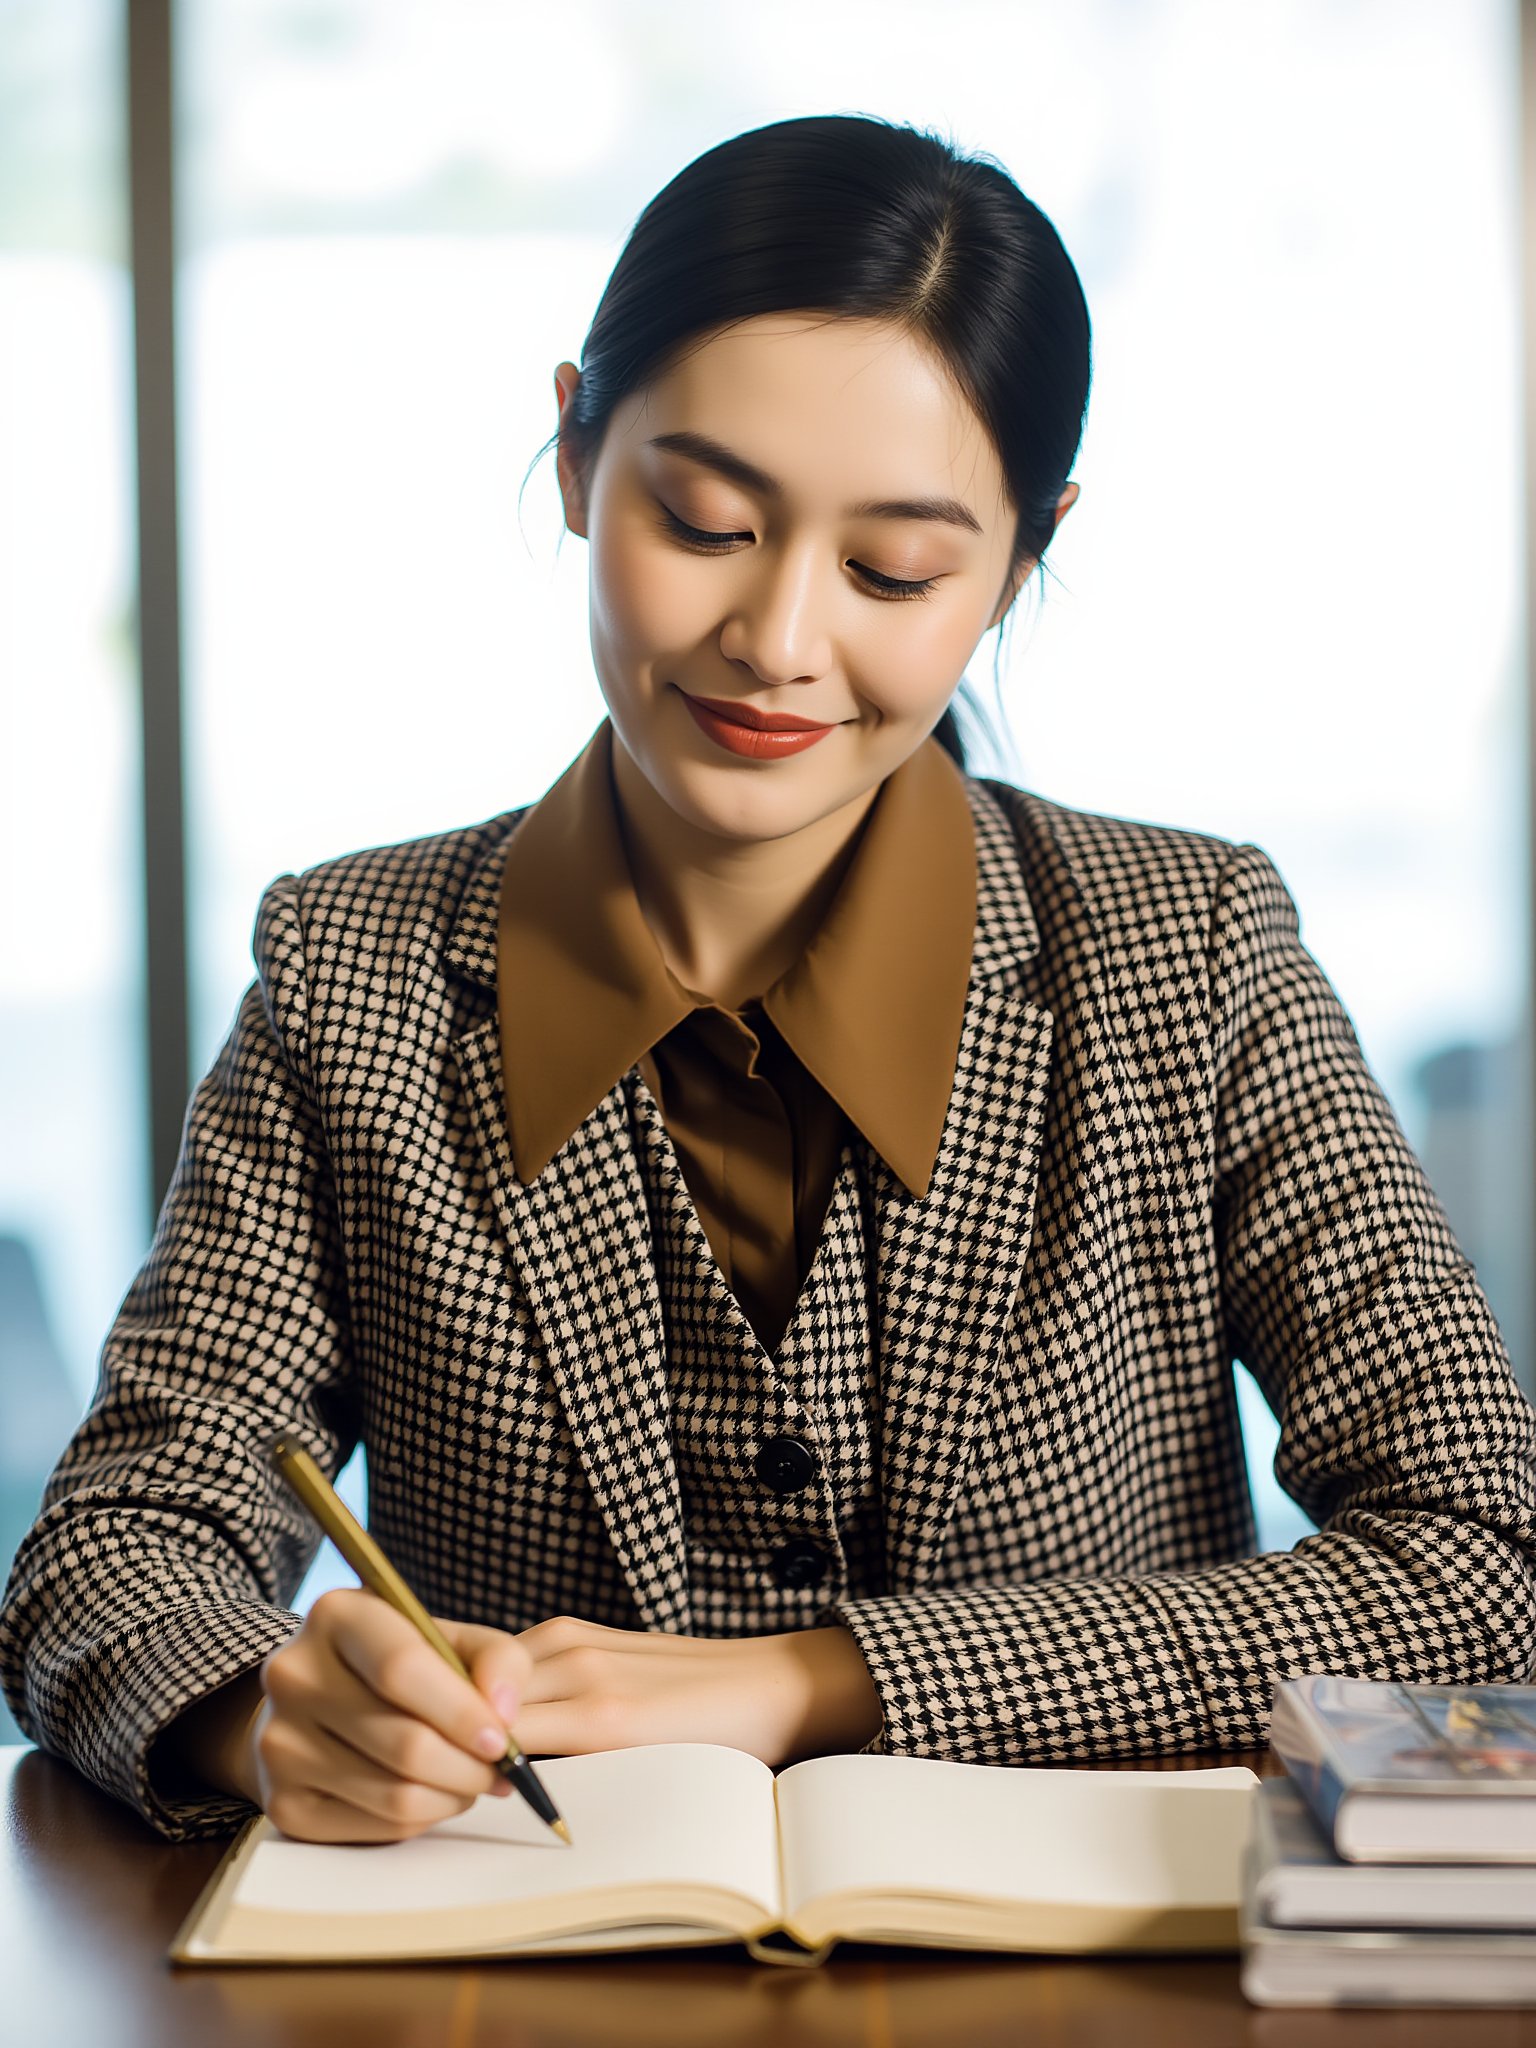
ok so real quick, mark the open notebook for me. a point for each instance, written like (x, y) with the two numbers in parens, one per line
(687, 1843)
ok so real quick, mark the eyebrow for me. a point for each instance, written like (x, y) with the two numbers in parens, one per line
(713, 454)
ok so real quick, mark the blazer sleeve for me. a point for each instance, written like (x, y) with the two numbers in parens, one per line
(165, 1548)
(1402, 1433)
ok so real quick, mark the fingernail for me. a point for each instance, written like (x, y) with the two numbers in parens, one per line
(492, 1742)
(505, 1701)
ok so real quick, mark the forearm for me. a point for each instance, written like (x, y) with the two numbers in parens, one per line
(1074, 1670)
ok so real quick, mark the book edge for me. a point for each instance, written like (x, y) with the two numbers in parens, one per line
(212, 1899)
(196, 1941)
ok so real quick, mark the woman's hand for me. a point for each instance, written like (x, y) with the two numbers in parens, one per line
(808, 1693)
(363, 1734)
(366, 1735)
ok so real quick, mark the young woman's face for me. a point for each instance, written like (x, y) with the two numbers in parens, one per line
(803, 519)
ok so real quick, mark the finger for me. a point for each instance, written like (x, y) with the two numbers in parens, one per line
(499, 1666)
(306, 1815)
(397, 1745)
(585, 1671)
(578, 1727)
(327, 1764)
(319, 1690)
(391, 1658)
(611, 1677)
(568, 1632)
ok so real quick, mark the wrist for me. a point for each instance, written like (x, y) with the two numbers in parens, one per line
(210, 1744)
(238, 1756)
(844, 1710)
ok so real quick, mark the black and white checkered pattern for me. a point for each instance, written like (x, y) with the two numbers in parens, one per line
(727, 1398)
(1163, 1149)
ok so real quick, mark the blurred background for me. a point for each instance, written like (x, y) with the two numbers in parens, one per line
(282, 287)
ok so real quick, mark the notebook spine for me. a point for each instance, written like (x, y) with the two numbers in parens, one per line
(797, 1958)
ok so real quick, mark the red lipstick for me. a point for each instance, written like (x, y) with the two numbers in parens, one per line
(754, 735)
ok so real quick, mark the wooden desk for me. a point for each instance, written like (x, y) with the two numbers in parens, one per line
(89, 1898)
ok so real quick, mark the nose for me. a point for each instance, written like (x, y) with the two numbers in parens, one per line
(776, 625)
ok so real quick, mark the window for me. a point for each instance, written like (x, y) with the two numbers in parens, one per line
(73, 1172)
(1287, 607)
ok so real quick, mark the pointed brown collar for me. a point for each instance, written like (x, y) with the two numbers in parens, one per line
(873, 1006)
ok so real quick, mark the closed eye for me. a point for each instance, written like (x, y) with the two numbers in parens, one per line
(704, 542)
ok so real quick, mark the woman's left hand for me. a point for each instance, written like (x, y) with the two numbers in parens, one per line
(780, 1697)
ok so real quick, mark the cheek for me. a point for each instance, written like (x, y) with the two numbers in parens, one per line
(913, 655)
(643, 599)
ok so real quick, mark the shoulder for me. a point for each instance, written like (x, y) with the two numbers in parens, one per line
(383, 904)
(1172, 938)
(1122, 877)
(1176, 930)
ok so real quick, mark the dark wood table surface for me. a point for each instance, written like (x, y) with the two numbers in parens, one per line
(89, 1899)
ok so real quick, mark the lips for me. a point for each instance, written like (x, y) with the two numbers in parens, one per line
(761, 721)
(729, 727)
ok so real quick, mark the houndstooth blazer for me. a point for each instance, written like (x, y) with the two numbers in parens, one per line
(1163, 1150)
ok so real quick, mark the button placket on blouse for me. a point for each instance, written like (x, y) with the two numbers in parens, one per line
(760, 1555)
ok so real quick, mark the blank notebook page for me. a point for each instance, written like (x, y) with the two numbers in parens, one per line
(673, 1813)
(919, 1824)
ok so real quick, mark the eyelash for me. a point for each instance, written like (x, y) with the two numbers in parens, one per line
(893, 587)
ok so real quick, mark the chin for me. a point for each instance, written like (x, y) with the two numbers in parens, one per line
(745, 806)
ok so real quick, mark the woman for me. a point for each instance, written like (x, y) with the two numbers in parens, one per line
(780, 1213)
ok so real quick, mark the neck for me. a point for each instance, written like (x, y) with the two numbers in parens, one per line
(730, 915)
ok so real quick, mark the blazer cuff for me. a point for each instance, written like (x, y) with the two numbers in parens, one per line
(143, 1687)
(1063, 1671)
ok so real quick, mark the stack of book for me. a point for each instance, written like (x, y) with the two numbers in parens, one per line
(1395, 1863)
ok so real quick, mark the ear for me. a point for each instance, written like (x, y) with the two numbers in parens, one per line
(573, 492)
(1016, 582)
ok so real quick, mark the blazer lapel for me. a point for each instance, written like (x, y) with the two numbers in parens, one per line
(579, 1237)
(949, 1264)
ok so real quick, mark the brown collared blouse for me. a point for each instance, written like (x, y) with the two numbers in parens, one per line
(862, 1029)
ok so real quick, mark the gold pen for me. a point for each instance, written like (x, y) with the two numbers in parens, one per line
(311, 1486)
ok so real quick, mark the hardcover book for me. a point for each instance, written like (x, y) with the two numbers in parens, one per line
(690, 1843)
(1413, 1773)
(1386, 1966)
(1299, 1881)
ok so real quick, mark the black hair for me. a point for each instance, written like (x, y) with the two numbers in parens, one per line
(845, 214)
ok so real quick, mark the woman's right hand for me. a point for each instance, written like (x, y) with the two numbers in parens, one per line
(365, 1735)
